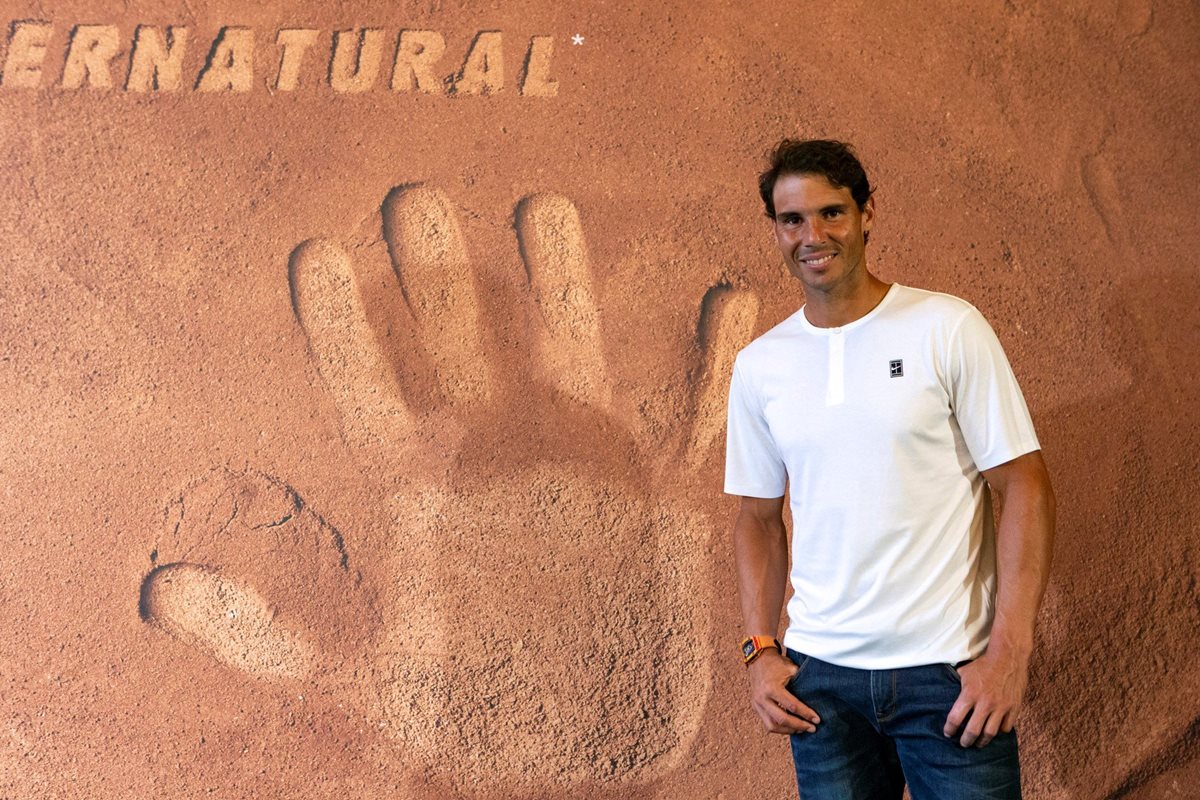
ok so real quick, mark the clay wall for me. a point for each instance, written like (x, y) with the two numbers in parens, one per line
(363, 368)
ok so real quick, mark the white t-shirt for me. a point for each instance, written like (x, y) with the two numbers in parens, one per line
(880, 429)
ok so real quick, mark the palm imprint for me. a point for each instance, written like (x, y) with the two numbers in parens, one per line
(545, 620)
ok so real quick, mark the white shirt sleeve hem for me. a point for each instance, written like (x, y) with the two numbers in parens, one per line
(1021, 449)
(753, 491)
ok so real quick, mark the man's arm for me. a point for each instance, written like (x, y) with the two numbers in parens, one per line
(760, 549)
(994, 684)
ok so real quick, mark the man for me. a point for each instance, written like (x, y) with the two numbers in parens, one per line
(887, 412)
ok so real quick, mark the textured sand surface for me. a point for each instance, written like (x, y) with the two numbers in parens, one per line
(363, 369)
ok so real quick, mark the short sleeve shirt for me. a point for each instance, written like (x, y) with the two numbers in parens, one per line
(879, 430)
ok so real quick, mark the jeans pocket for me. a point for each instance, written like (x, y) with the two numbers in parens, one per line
(803, 662)
(953, 671)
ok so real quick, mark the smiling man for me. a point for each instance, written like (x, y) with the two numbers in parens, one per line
(887, 412)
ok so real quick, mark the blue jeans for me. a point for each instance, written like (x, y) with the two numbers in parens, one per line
(880, 728)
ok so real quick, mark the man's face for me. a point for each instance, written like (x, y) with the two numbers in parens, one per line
(821, 231)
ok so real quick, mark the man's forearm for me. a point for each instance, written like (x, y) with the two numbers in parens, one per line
(993, 686)
(1024, 546)
(760, 549)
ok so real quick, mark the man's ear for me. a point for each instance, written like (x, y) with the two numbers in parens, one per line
(868, 214)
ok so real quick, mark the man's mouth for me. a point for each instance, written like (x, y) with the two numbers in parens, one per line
(817, 260)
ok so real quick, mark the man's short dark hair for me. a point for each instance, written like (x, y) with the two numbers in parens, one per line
(833, 160)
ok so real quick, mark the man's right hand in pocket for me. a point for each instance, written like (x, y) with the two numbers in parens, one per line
(780, 710)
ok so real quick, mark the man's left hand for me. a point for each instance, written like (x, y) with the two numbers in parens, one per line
(993, 686)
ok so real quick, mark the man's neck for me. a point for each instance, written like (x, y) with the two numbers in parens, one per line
(835, 309)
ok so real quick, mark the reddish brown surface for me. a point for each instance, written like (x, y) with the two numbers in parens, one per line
(452, 526)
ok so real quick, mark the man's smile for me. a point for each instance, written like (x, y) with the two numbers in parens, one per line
(816, 259)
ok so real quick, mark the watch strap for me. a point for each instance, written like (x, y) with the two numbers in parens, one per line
(753, 647)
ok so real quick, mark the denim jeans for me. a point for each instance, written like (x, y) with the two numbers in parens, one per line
(880, 728)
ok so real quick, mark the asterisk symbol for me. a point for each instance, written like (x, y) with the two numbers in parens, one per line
(577, 39)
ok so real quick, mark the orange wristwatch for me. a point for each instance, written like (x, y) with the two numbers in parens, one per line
(754, 646)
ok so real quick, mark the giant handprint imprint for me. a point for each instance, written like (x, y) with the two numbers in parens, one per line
(545, 622)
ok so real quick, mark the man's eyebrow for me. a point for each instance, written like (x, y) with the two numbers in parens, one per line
(791, 212)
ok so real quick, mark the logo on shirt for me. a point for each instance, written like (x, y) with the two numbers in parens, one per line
(896, 368)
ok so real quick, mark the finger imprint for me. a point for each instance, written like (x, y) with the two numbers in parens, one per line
(328, 304)
(727, 318)
(430, 259)
(552, 245)
(232, 623)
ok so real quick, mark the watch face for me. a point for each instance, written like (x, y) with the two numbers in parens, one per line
(748, 648)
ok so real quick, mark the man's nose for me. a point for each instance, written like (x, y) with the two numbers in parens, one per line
(813, 233)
